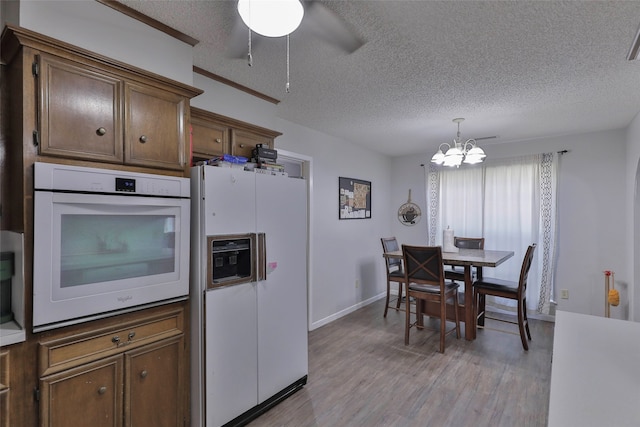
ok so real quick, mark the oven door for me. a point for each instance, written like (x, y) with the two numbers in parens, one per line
(100, 255)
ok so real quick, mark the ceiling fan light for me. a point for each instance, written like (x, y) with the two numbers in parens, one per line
(271, 18)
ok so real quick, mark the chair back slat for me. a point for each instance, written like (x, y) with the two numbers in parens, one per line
(390, 244)
(423, 264)
(468, 242)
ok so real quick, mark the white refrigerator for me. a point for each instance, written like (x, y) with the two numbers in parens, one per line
(249, 339)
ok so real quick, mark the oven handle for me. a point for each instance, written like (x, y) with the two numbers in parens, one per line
(262, 256)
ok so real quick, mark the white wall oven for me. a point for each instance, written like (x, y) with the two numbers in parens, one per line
(106, 242)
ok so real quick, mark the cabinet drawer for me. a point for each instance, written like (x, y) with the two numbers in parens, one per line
(64, 353)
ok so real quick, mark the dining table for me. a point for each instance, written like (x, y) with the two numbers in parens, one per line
(468, 258)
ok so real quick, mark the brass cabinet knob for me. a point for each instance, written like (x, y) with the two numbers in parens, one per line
(144, 374)
(218, 140)
(241, 145)
(101, 131)
(102, 390)
(143, 138)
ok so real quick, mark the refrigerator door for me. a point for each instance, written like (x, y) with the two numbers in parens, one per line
(282, 297)
(231, 352)
(229, 202)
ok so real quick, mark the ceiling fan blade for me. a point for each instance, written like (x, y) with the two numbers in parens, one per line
(324, 24)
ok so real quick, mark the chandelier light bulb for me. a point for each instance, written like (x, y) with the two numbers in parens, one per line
(271, 18)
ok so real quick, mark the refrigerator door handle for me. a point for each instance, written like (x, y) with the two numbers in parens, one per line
(262, 257)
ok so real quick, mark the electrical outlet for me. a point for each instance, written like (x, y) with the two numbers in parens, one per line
(564, 293)
(357, 283)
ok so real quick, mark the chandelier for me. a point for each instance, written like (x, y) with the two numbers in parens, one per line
(458, 153)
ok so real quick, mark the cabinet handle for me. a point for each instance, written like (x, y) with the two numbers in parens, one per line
(101, 131)
(115, 340)
(241, 145)
(143, 138)
(144, 374)
(131, 335)
(218, 140)
(102, 390)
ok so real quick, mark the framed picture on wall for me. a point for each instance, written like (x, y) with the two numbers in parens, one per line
(354, 198)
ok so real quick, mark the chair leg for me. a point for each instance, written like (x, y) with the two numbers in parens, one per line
(521, 320)
(386, 305)
(480, 304)
(526, 320)
(455, 311)
(443, 321)
(407, 323)
(399, 300)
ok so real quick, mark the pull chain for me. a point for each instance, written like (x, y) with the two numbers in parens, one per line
(249, 56)
(287, 87)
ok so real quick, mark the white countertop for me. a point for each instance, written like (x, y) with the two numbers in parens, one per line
(595, 374)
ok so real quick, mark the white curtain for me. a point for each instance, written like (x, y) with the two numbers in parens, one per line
(512, 204)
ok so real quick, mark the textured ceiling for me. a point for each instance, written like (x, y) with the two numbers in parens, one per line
(514, 69)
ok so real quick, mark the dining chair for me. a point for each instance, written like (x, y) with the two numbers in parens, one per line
(424, 275)
(506, 289)
(395, 272)
(456, 272)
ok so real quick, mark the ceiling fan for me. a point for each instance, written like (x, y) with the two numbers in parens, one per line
(318, 21)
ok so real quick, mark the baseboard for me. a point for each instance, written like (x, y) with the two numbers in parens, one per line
(348, 310)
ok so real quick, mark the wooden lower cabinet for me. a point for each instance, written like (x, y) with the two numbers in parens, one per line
(129, 373)
(141, 388)
(4, 389)
(85, 396)
(154, 384)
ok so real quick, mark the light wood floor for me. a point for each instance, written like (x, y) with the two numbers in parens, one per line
(362, 374)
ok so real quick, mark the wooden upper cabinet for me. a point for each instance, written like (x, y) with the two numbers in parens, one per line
(155, 133)
(243, 142)
(209, 138)
(80, 111)
(91, 108)
(213, 135)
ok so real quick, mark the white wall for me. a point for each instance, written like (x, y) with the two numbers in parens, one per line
(592, 193)
(632, 208)
(101, 29)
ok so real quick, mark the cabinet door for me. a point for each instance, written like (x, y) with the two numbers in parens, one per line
(154, 129)
(154, 383)
(90, 395)
(243, 142)
(209, 139)
(79, 112)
